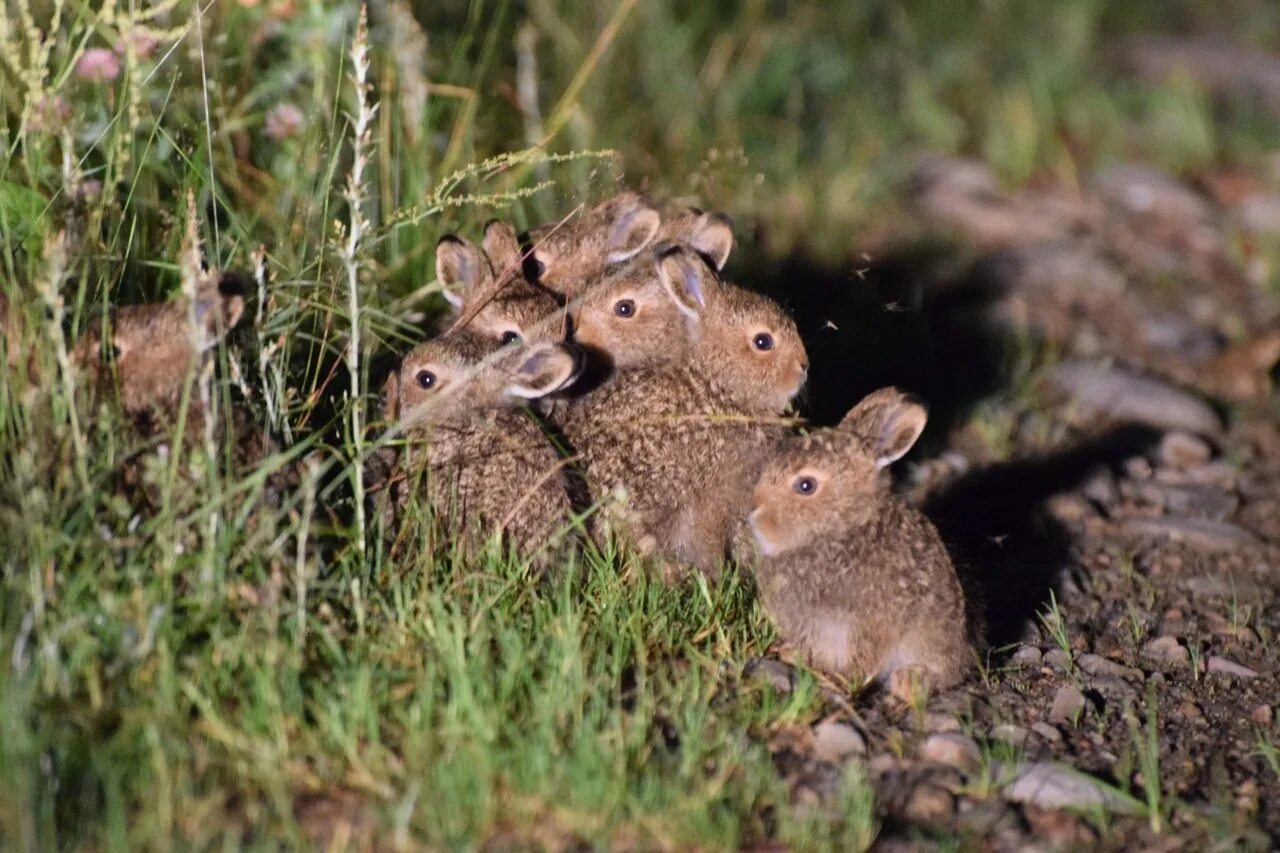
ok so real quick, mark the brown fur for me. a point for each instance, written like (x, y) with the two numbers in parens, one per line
(481, 459)
(494, 303)
(678, 435)
(856, 579)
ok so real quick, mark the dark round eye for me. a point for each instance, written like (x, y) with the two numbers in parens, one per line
(763, 342)
(624, 308)
(805, 485)
(425, 379)
(510, 337)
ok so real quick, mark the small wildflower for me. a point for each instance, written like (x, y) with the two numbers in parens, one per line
(48, 113)
(283, 121)
(89, 189)
(143, 42)
(98, 64)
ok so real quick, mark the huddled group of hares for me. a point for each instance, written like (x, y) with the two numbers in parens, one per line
(598, 382)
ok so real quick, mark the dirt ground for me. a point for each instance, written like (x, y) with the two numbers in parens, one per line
(1104, 462)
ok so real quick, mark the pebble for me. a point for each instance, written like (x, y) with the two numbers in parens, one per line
(1047, 732)
(1054, 786)
(936, 722)
(1010, 734)
(1193, 501)
(1068, 705)
(1028, 656)
(1199, 533)
(1189, 710)
(1261, 715)
(952, 749)
(1098, 665)
(1180, 449)
(1223, 666)
(1101, 488)
(1057, 658)
(835, 742)
(1166, 650)
(1127, 396)
(775, 673)
(929, 804)
(1226, 586)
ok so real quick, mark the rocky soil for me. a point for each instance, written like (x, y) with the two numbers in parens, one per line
(1112, 499)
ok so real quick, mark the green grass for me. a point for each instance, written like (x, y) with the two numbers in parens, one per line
(217, 671)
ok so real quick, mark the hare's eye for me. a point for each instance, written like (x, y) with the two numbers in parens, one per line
(624, 308)
(425, 379)
(805, 485)
(763, 342)
(510, 337)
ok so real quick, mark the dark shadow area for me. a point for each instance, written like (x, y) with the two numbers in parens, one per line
(1008, 550)
(919, 319)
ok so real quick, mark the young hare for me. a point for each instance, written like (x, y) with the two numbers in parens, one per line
(854, 578)
(678, 436)
(494, 302)
(473, 450)
(569, 258)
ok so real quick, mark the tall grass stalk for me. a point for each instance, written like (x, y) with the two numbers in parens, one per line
(350, 253)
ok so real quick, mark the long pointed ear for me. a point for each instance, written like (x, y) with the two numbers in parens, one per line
(461, 268)
(685, 277)
(542, 368)
(219, 305)
(712, 235)
(888, 422)
(391, 396)
(631, 224)
(502, 245)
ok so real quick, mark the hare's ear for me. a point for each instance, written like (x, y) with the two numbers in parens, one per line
(712, 235)
(391, 396)
(631, 225)
(219, 305)
(685, 277)
(502, 245)
(888, 423)
(542, 368)
(461, 268)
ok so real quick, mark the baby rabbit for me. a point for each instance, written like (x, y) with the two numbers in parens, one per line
(856, 579)
(154, 347)
(494, 303)
(482, 460)
(681, 434)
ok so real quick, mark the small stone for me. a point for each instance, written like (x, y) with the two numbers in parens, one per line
(1223, 666)
(1054, 786)
(1189, 710)
(1226, 586)
(937, 722)
(1010, 734)
(1127, 396)
(929, 805)
(1182, 450)
(1068, 706)
(775, 673)
(1047, 732)
(1113, 687)
(1027, 656)
(1057, 658)
(1137, 468)
(1261, 715)
(1101, 488)
(1098, 665)
(836, 742)
(952, 749)
(1200, 533)
(1166, 650)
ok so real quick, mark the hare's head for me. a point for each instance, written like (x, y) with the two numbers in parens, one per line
(566, 258)
(709, 234)
(752, 349)
(647, 313)
(152, 347)
(828, 481)
(495, 305)
(460, 375)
